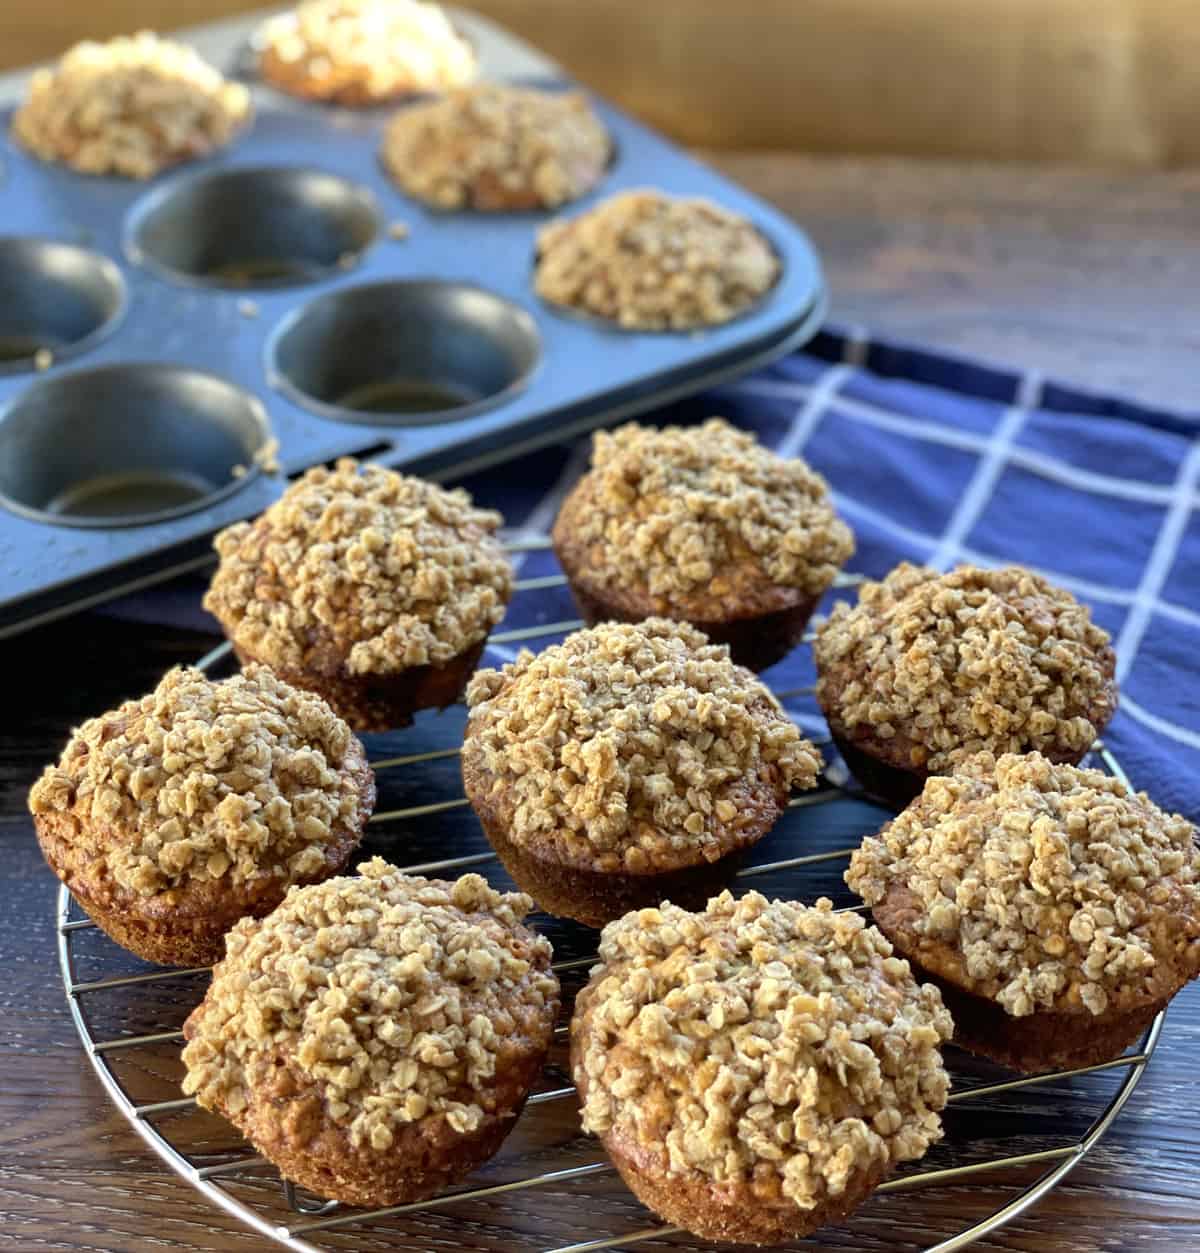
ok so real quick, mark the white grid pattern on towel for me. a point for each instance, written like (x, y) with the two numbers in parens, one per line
(1039, 463)
(997, 451)
(1162, 558)
(1181, 497)
(979, 491)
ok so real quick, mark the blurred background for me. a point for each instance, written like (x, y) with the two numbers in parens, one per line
(1098, 82)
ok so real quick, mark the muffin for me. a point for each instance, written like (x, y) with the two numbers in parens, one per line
(1057, 911)
(497, 148)
(647, 261)
(376, 1037)
(173, 816)
(754, 1070)
(627, 765)
(363, 52)
(373, 589)
(930, 668)
(133, 107)
(704, 525)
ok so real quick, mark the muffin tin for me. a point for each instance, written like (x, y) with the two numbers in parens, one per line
(284, 290)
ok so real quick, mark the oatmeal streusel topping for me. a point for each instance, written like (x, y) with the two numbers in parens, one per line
(396, 996)
(132, 106)
(202, 780)
(628, 741)
(970, 660)
(383, 47)
(697, 510)
(1055, 886)
(778, 1041)
(650, 261)
(497, 147)
(395, 571)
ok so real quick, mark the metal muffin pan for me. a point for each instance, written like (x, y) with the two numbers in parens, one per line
(264, 294)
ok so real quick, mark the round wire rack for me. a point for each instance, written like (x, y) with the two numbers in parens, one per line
(130, 1026)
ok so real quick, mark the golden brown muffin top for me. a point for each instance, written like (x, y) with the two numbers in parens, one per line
(1048, 886)
(381, 47)
(204, 780)
(761, 1040)
(393, 995)
(970, 660)
(394, 571)
(696, 514)
(131, 106)
(649, 261)
(497, 147)
(637, 740)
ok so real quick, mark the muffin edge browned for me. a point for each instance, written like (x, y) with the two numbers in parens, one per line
(156, 928)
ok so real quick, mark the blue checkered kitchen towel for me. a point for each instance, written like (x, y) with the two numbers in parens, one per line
(940, 461)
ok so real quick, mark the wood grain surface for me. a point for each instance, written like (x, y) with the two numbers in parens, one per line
(1086, 276)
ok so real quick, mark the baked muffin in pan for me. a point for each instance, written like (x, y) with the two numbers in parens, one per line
(374, 589)
(631, 764)
(497, 148)
(648, 261)
(1057, 911)
(363, 52)
(755, 1069)
(377, 1035)
(132, 106)
(704, 525)
(930, 668)
(173, 816)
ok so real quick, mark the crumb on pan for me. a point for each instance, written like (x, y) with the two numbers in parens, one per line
(131, 106)
(373, 49)
(267, 457)
(207, 780)
(649, 261)
(761, 1043)
(399, 572)
(970, 660)
(395, 995)
(494, 146)
(693, 510)
(1055, 885)
(629, 741)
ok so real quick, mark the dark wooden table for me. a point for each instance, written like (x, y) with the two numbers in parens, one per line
(1088, 276)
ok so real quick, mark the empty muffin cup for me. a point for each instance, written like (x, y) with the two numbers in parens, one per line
(125, 445)
(269, 226)
(402, 352)
(58, 299)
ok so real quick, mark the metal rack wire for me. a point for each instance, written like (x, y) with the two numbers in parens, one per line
(314, 1217)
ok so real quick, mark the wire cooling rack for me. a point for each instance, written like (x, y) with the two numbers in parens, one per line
(129, 1024)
